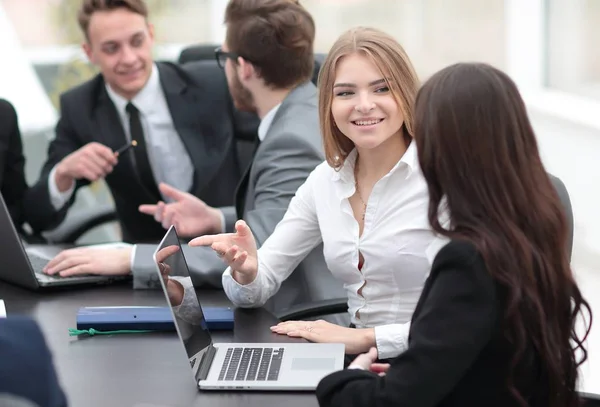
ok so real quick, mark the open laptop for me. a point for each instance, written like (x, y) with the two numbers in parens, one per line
(242, 366)
(23, 265)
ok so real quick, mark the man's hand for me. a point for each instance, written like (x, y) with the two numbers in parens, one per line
(89, 260)
(356, 340)
(190, 215)
(92, 162)
(174, 288)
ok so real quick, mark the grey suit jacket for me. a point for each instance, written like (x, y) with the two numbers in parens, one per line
(292, 148)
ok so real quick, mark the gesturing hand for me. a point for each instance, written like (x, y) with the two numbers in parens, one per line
(190, 215)
(237, 249)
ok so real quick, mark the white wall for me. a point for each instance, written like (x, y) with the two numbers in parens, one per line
(571, 151)
(19, 83)
(568, 131)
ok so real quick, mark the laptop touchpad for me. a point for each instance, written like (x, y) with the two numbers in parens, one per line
(313, 363)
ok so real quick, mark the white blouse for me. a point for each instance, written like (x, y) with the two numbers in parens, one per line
(394, 242)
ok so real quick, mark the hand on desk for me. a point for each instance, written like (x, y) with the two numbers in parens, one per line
(356, 340)
(85, 261)
(366, 361)
(237, 249)
(174, 288)
(190, 215)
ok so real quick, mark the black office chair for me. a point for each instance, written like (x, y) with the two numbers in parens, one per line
(319, 60)
(77, 223)
(200, 52)
(11, 400)
(204, 52)
(326, 282)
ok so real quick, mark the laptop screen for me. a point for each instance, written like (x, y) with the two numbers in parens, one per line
(187, 313)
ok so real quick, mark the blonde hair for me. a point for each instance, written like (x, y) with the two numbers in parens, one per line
(391, 59)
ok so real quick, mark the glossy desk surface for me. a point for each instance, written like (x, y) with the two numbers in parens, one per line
(141, 370)
(151, 370)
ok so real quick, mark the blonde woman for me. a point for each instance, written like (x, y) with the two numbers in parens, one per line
(367, 204)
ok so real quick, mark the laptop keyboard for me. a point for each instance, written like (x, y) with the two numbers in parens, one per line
(250, 364)
(38, 263)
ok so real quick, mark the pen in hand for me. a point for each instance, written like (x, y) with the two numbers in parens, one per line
(125, 148)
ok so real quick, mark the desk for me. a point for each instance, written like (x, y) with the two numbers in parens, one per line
(145, 370)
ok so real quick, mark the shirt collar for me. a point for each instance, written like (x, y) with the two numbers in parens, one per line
(409, 159)
(266, 122)
(145, 100)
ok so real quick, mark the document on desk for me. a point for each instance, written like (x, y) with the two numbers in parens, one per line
(2, 309)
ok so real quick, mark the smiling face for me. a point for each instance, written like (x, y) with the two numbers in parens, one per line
(363, 107)
(120, 43)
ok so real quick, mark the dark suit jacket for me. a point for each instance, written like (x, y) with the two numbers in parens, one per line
(202, 114)
(457, 353)
(12, 162)
(292, 148)
(26, 370)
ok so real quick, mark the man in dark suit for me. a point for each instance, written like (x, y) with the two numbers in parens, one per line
(180, 116)
(12, 162)
(27, 372)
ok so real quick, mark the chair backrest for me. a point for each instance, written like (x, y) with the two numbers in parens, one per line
(563, 194)
(201, 52)
(319, 59)
(205, 52)
(10, 400)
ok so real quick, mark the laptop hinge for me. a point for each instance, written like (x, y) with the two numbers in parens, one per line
(206, 362)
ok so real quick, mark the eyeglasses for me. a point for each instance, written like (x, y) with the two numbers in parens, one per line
(222, 56)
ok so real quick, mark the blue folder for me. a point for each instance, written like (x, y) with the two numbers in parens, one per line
(146, 318)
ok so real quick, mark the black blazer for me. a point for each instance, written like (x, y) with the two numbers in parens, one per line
(27, 370)
(12, 162)
(203, 115)
(457, 354)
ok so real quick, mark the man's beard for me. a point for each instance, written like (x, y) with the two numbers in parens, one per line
(242, 98)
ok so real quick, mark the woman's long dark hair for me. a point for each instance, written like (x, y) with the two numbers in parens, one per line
(480, 158)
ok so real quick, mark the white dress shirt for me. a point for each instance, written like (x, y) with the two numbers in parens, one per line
(169, 159)
(394, 246)
(265, 123)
